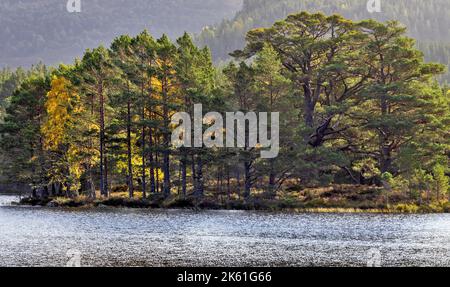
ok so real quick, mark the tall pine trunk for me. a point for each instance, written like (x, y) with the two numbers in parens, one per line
(158, 184)
(166, 141)
(150, 135)
(194, 173)
(144, 173)
(166, 168)
(308, 105)
(129, 152)
(91, 183)
(106, 175)
(385, 159)
(151, 162)
(238, 183)
(184, 173)
(143, 143)
(272, 178)
(228, 183)
(102, 141)
(200, 184)
(91, 145)
(248, 179)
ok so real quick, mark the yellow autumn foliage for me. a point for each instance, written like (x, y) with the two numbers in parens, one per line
(58, 106)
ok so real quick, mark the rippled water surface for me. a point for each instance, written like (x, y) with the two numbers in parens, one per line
(123, 237)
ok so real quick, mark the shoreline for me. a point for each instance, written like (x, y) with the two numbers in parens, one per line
(205, 204)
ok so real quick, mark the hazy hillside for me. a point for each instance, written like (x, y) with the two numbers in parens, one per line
(43, 30)
(34, 31)
(427, 21)
(437, 52)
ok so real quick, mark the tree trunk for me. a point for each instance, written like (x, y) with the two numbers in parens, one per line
(68, 190)
(102, 142)
(45, 192)
(129, 152)
(194, 173)
(166, 169)
(385, 159)
(151, 163)
(158, 184)
(166, 139)
(385, 150)
(106, 177)
(143, 143)
(59, 189)
(248, 179)
(228, 183)
(144, 173)
(92, 185)
(218, 181)
(53, 190)
(272, 178)
(184, 173)
(199, 186)
(93, 194)
(308, 106)
(238, 183)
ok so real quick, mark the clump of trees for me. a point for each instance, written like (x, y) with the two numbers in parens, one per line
(427, 22)
(358, 105)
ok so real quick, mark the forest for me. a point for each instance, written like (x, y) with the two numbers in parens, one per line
(427, 22)
(364, 123)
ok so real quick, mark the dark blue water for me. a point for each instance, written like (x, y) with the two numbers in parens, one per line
(125, 237)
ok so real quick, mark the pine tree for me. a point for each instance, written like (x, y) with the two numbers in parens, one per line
(144, 51)
(400, 97)
(272, 89)
(195, 81)
(123, 58)
(318, 52)
(96, 73)
(165, 73)
(21, 141)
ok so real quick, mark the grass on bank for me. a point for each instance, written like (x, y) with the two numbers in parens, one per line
(333, 199)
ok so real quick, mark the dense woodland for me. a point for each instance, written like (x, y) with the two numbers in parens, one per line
(358, 103)
(427, 21)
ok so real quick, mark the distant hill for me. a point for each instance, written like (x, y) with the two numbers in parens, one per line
(33, 31)
(437, 52)
(427, 21)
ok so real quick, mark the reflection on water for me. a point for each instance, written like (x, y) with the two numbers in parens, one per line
(124, 237)
(7, 200)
